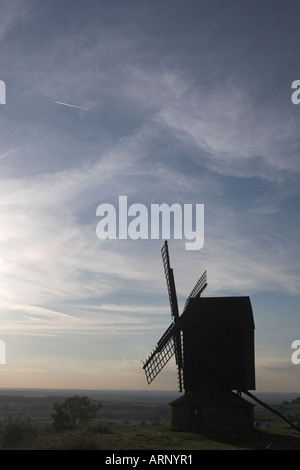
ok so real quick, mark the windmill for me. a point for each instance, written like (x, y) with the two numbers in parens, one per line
(213, 344)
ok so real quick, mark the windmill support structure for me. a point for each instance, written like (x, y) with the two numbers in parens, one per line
(269, 408)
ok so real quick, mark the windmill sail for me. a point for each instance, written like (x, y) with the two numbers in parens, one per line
(170, 343)
(161, 355)
(170, 281)
(174, 311)
(200, 285)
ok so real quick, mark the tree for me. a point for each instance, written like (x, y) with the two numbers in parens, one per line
(74, 412)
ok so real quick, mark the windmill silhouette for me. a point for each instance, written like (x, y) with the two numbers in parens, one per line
(213, 344)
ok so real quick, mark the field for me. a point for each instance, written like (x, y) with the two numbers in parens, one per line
(163, 438)
(139, 423)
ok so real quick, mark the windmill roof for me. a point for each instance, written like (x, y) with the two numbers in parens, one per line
(230, 307)
(211, 398)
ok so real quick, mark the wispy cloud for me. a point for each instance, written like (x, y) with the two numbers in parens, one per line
(275, 363)
(40, 312)
(105, 321)
(11, 152)
(162, 127)
(232, 136)
(49, 243)
(14, 14)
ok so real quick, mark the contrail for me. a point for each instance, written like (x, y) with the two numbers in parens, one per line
(71, 105)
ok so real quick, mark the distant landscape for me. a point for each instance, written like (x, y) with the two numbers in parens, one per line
(133, 419)
(119, 407)
(131, 395)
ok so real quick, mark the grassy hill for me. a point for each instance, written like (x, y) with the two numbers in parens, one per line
(164, 438)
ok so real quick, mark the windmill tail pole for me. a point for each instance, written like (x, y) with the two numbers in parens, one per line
(272, 410)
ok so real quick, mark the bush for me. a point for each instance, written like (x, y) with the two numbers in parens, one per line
(73, 413)
(18, 434)
(99, 427)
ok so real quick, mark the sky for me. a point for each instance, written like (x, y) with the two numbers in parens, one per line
(185, 102)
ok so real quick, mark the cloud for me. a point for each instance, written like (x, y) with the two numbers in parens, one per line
(14, 13)
(141, 309)
(275, 363)
(40, 312)
(232, 135)
(101, 321)
(11, 152)
(50, 249)
(182, 123)
(220, 125)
